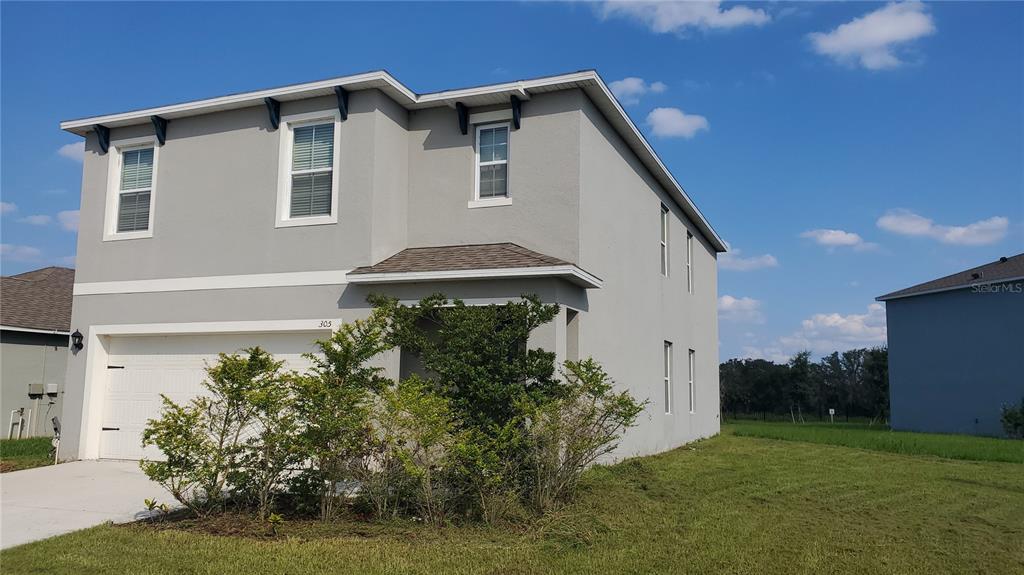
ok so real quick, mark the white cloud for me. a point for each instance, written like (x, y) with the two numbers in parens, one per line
(7, 208)
(871, 40)
(674, 123)
(38, 220)
(18, 253)
(743, 309)
(979, 233)
(74, 151)
(824, 333)
(678, 17)
(833, 239)
(731, 260)
(629, 90)
(68, 220)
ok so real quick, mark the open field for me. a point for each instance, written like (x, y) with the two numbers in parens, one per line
(879, 438)
(730, 504)
(18, 454)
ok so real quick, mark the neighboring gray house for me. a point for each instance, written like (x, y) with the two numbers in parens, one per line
(956, 351)
(35, 312)
(268, 217)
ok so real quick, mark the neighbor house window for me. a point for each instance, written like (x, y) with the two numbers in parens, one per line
(133, 198)
(492, 161)
(664, 240)
(131, 189)
(692, 387)
(308, 191)
(668, 377)
(689, 262)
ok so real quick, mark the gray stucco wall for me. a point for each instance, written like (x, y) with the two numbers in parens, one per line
(31, 358)
(954, 358)
(638, 309)
(543, 180)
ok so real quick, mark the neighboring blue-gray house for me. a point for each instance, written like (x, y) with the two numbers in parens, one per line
(956, 349)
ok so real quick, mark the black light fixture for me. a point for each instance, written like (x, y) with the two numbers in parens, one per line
(76, 341)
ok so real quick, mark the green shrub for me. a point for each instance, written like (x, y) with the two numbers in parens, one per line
(1013, 420)
(208, 442)
(332, 404)
(571, 431)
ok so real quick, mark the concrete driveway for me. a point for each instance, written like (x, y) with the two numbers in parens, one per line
(47, 501)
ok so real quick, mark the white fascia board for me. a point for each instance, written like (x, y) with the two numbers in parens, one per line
(287, 279)
(571, 273)
(33, 330)
(952, 288)
(218, 327)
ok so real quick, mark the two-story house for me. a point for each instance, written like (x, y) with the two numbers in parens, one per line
(266, 218)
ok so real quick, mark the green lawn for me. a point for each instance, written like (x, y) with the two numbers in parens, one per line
(730, 504)
(879, 438)
(18, 454)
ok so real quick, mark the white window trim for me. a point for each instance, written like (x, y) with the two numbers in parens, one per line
(284, 181)
(666, 364)
(689, 262)
(115, 154)
(477, 201)
(693, 384)
(664, 223)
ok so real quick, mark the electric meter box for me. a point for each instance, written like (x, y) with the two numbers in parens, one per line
(35, 390)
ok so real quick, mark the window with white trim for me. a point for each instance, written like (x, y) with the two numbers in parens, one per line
(689, 262)
(135, 190)
(692, 386)
(668, 377)
(308, 188)
(492, 161)
(664, 240)
(131, 189)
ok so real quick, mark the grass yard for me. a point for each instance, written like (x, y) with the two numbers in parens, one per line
(879, 438)
(731, 504)
(18, 454)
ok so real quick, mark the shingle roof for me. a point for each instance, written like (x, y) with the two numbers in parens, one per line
(468, 257)
(1001, 269)
(39, 299)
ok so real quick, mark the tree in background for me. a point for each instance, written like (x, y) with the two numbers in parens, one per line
(854, 382)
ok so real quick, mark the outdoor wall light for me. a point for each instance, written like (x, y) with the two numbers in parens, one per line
(76, 341)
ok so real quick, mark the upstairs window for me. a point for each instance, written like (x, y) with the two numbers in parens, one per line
(307, 193)
(689, 262)
(664, 240)
(131, 189)
(135, 191)
(312, 170)
(492, 161)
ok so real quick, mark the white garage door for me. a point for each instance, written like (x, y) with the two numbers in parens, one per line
(140, 368)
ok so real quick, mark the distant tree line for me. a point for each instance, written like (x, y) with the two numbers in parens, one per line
(855, 383)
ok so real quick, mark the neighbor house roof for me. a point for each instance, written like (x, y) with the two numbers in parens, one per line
(1003, 269)
(476, 261)
(38, 300)
(587, 80)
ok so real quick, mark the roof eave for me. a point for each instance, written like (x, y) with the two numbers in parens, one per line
(570, 273)
(896, 294)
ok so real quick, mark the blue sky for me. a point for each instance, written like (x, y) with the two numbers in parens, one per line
(844, 150)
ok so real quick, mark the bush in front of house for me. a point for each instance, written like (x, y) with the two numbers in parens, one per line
(1013, 420)
(486, 431)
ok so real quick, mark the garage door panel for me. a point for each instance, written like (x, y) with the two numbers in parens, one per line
(175, 366)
